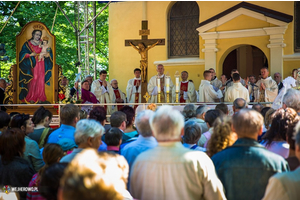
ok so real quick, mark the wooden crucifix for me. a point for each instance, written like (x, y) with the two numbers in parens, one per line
(142, 46)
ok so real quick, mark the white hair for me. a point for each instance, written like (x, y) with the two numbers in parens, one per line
(142, 123)
(291, 99)
(86, 128)
(113, 80)
(167, 123)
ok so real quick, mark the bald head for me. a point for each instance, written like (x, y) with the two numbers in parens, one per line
(238, 104)
(247, 123)
(167, 124)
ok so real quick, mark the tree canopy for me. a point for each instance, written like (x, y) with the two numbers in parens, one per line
(66, 40)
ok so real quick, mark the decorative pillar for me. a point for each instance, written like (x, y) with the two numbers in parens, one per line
(276, 53)
(210, 51)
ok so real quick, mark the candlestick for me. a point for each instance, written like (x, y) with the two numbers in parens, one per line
(158, 97)
(78, 78)
(167, 84)
(158, 85)
(79, 90)
(177, 86)
(168, 97)
(158, 88)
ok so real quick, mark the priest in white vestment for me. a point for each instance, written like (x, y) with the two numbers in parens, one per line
(153, 86)
(133, 89)
(229, 83)
(206, 90)
(170, 171)
(101, 89)
(187, 89)
(117, 96)
(215, 81)
(267, 89)
(237, 90)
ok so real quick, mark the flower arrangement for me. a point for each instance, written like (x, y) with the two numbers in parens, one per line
(61, 96)
(63, 100)
(152, 107)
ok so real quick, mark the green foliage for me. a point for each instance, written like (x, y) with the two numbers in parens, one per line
(66, 40)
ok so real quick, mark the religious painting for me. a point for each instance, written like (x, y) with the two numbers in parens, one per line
(35, 64)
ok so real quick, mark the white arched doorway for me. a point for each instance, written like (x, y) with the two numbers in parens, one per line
(275, 31)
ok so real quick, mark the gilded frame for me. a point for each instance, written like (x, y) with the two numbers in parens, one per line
(22, 42)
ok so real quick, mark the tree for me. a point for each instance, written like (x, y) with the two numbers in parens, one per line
(66, 40)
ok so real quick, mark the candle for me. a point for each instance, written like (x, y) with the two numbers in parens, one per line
(79, 90)
(158, 85)
(167, 85)
(177, 84)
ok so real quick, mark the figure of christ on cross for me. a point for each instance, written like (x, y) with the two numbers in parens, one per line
(142, 46)
(143, 51)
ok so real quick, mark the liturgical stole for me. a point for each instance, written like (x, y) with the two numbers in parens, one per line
(183, 87)
(105, 107)
(136, 97)
(118, 96)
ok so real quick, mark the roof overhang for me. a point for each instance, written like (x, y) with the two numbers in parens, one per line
(281, 20)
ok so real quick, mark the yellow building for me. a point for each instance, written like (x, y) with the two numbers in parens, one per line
(206, 34)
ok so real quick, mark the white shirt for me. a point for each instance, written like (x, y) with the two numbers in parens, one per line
(237, 90)
(207, 92)
(171, 171)
(284, 185)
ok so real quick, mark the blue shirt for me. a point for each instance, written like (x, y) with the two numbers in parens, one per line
(133, 149)
(245, 168)
(189, 146)
(102, 147)
(64, 131)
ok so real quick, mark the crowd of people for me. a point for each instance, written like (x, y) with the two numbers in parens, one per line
(203, 152)
(199, 153)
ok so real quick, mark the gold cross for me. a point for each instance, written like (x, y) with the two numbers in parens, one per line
(147, 96)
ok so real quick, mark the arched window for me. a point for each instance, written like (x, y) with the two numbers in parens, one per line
(183, 36)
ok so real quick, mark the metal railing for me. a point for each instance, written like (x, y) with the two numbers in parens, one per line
(141, 106)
